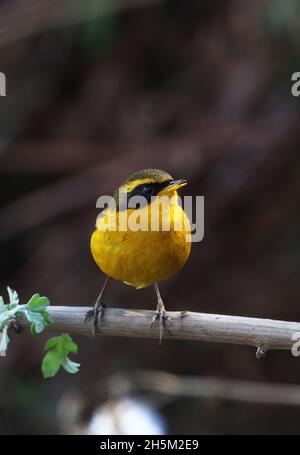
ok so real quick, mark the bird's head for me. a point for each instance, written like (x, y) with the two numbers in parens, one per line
(147, 183)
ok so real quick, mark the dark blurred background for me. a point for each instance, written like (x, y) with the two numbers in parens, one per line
(99, 89)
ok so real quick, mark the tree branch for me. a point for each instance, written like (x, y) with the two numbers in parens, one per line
(264, 334)
(176, 386)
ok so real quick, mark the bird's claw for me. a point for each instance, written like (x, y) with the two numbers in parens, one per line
(160, 316)
(88, 315)
(94, 313)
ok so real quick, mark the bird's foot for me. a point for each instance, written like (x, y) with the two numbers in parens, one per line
(97, 311)
(161, 316)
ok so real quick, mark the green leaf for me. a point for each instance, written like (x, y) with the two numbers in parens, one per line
(51, 343)
(37, 328)
(33, 316)
(32, 301)
(4, 340)
(35, 312)
(70, 366)
(60, 347)
(51, 364)
(46, 317)
(6, 316)
(13, 297)
(39, 320)
(38, 303)
(2, 304)
(68, 344)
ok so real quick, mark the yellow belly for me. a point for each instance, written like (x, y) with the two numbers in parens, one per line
(143, 257)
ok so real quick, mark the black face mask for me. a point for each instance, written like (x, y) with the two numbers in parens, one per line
(145, 191)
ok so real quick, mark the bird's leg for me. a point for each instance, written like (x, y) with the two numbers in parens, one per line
(98, 308)
(160, 313)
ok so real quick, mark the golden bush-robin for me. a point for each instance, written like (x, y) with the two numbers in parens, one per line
(142, 243)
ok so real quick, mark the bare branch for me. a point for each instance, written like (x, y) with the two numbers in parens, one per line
(202, 387)
(264, 334)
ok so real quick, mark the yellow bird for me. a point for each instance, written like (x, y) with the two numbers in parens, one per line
(145, 242)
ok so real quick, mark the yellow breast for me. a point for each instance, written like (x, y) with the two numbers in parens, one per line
(142, 257)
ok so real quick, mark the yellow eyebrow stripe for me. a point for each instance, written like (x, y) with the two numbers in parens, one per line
(131, 185)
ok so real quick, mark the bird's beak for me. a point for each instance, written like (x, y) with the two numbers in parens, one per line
(174, 185)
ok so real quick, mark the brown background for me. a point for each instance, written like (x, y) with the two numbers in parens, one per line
(200, 89)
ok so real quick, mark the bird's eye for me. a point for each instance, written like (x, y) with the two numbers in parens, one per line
(148, 190)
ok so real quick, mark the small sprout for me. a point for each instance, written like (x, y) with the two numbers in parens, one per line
(35, 311)
(57, 356)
